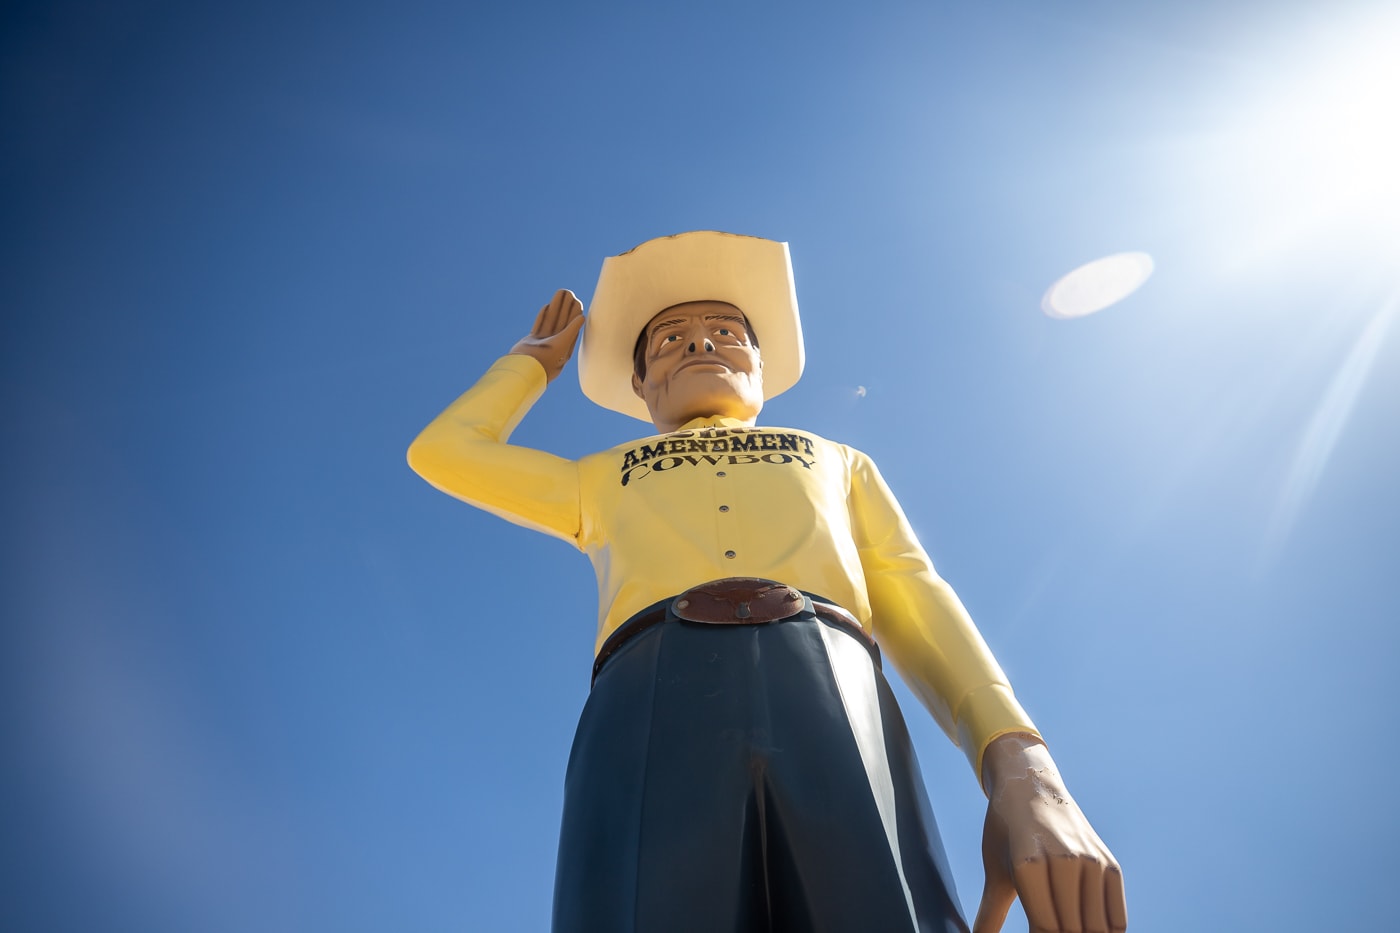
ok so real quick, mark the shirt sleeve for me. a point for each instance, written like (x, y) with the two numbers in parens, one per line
(921, 625)
(464, 453)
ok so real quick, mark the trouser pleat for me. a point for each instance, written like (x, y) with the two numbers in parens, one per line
(715, 784)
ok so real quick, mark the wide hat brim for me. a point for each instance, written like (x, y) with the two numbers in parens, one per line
(750, 273)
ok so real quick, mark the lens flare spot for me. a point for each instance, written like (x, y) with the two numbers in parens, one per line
(1096, 285)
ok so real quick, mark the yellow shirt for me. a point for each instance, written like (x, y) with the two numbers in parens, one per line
(717, 498)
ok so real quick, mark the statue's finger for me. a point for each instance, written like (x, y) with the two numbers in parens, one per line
(1065, 878)
(1033, 885)
(559, 310)
(1115, 899)
(1092, 897)
(572, 306)
(540, 328)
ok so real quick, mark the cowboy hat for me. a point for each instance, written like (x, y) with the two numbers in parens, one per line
(750, 273)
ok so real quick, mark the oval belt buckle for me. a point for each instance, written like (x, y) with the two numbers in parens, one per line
(739, 601)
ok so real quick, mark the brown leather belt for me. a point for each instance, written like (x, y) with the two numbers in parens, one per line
(734, 601)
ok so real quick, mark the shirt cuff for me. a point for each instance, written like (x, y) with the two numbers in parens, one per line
(985, 714)
(522, 365)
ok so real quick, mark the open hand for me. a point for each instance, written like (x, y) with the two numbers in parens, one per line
(552, 339)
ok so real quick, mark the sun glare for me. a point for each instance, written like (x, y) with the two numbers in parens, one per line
(1348, 133)
(1326, 140)
(1328, 421)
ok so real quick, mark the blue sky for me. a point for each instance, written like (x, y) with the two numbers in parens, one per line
(258, 676)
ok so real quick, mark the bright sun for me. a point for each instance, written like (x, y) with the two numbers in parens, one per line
(1326, 138)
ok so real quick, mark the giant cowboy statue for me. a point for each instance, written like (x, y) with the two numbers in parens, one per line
(740, 764)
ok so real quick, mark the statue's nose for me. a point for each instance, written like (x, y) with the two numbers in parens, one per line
(709, 347)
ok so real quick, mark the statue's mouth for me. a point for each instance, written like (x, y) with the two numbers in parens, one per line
(704, 361)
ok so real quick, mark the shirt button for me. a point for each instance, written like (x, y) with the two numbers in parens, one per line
(724, 508)
(720, 473)
(730, 554)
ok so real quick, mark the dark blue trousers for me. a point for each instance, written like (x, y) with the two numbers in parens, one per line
(747, 778)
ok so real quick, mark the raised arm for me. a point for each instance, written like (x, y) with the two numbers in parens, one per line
(464, 453)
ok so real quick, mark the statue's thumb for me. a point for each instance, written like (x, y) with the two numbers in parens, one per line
(572, 328)
(997, 898)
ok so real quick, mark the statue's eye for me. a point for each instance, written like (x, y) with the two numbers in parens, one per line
(670, 337)
(724, 331)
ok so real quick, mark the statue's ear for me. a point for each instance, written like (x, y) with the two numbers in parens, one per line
(637, 385)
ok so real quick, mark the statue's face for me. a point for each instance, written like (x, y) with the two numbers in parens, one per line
(700, 363)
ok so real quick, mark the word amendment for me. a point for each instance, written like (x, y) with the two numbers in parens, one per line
(714, 447)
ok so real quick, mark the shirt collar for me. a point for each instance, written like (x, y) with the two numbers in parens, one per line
(713, 421)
